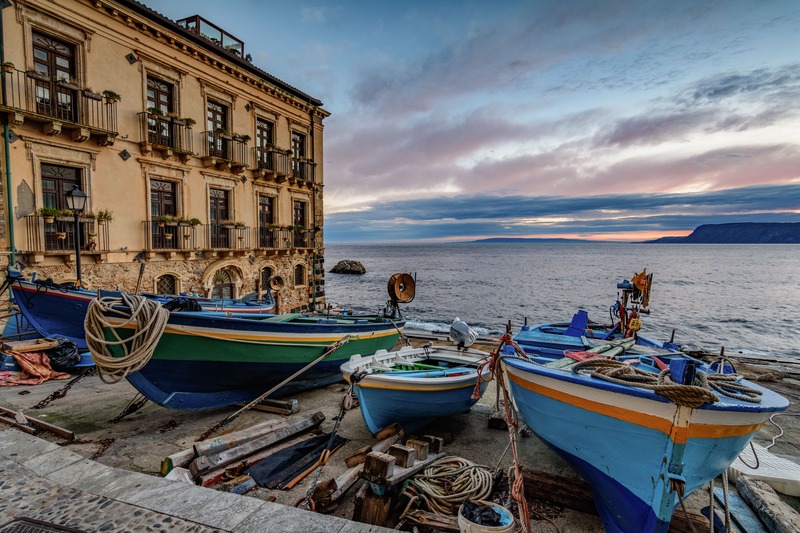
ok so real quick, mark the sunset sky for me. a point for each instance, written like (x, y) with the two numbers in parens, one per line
(595, 119)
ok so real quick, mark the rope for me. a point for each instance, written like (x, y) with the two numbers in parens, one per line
(149, 319)
(447, 483)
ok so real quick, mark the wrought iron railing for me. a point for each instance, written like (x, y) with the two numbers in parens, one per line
(165, 132)
(303, 170)
(57, 234)
(225, 147)
(169, 236)
(228, 237)
(44, 99)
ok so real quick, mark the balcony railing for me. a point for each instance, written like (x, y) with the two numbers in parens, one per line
(165, 134)
(39, 98)
(169, 236)
(224, 151)
(271, 162)
(45, 234)
(303, 170)
(228, 237)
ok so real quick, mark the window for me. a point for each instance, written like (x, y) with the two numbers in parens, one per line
(299, 275)
(223, 284)
(299, 150)
(56, 96)
(167, 284)
(217, 127)
(57, 181)
(299, 222)
(265, 132)
(218, 213)
(266, 208)
(160, 96)
(162, 203)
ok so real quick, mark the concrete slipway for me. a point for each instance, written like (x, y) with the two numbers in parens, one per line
(49, 479)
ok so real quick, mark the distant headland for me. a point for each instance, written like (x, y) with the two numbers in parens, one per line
(739, 233)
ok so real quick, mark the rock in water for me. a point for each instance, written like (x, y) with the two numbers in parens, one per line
(348, 267)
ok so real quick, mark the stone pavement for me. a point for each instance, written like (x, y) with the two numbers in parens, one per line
(42, 481)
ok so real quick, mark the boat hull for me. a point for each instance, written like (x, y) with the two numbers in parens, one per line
(54, 312)
(206, 361)
(414, 399)
(629, 443)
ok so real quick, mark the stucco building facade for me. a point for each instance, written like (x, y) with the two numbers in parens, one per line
(210, 168)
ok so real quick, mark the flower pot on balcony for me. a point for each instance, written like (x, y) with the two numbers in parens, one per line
(67, 85)
(36, 75)
(186, 237)
(8, 67)
(61, 235)
(92, 95)
(49, 219)
(168, 236)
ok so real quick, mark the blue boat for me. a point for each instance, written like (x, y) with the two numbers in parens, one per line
(58, 311)
(638, 449)
(414, 386)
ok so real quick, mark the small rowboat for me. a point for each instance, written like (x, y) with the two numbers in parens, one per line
(414, 386)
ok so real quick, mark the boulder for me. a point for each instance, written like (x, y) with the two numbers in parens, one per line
(348, 267)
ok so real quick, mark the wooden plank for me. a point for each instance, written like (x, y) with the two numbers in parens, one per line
(358, 458)
(358, 502)
(573, 493)
(428, 521)
(388, 431)
(52, 428)
(22, 427)
(278, 407)
(31, 345)
(179, 459)
(207, 463)
(777, 515)
(388, 442)
(742, 515)
(371, 508)
(231, 440)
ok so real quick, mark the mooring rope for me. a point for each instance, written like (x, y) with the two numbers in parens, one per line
(447, 483)
(149, 320)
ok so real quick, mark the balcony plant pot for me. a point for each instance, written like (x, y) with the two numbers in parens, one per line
(36, 75)
(8, 67)
(61, 235)
(67, 85)
(92, 95)
(186, 237)
(49, 219)
(168, 236)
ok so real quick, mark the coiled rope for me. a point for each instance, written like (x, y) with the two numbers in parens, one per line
(694, 395)
(447, 483)
(148, 319)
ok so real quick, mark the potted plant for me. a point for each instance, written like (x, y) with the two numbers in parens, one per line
(61, 235)
(229, 224)
(111, 96)
(66, 214)
(195, 222)
(222, 132)
(155, 112)
(8, 66)
(189, 122)
(176, 119)
(36, 75)
(49, 214)
(238, 224)
(244, 138)
(65, 81)
(162, 220)
(273, 226)
(168, 236)
(104, 215)
(289, 152)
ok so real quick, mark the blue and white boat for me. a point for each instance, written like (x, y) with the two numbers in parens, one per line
(636, 448)
(414, 386)
(57, 311)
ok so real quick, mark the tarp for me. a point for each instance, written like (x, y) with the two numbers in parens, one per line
(36, 369)
(280, 468)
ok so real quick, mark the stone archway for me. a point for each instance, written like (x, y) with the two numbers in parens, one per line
(223, 279)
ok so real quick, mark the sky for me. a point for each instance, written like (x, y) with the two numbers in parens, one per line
(593, 119)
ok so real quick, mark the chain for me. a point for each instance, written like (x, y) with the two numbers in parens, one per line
(60, 393)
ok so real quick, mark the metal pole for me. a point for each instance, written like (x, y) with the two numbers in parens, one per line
(9, 207)
(77, 247)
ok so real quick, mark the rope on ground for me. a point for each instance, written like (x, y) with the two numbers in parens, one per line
(447, 483)
(149, 320)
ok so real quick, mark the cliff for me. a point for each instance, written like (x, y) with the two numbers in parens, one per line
(739, 233)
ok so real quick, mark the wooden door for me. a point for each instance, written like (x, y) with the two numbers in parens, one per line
(55, 60)
(218, 213)
(162, 202)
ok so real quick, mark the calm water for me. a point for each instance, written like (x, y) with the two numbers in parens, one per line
(743, 297)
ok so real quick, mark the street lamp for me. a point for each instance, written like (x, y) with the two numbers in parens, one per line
(76, 202)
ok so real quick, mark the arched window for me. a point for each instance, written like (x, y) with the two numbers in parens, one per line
(266, 273)
(167, 284)
(299, 275)
(222, 285)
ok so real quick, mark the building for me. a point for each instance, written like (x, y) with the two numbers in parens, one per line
(197, 164)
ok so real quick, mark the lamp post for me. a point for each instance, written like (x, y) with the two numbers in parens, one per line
(76, 202)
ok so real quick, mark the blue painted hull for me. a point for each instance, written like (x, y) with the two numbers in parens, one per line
(628, 443)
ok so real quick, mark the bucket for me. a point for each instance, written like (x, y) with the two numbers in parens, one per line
(506, 520)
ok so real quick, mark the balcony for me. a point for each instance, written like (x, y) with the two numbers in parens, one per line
(227, 237)
(56, 236)
(271, 163)
(224, 152)
(166, 136)
(303, 171)
(59, 106)
(169, 237)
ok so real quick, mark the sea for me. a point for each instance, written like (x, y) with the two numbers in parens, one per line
(743, 298)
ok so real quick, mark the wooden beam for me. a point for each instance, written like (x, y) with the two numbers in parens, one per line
(207, 463)
(404, 456)
(388, 431)
(420, 448)
(777, 515)
(22, 427)
(358, 458)
(52, 428)
(230, 440)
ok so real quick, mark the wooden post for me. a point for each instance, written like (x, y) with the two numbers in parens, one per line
(420, 448)
(435, 444)
(404, 456)
(378, 467)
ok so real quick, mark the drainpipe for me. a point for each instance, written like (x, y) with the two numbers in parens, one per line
(13, 258)
(313, 215)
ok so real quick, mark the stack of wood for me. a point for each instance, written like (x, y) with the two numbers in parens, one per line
(209, 462)
(385, 465)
